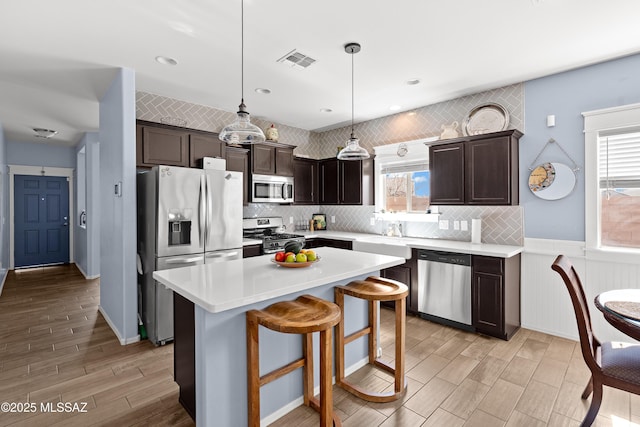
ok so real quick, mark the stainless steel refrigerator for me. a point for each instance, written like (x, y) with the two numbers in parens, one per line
(186, 217)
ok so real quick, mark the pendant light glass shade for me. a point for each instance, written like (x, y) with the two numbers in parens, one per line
(241, 131)
(353, 150)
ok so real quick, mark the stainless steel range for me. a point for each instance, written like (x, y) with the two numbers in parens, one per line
(271, 230)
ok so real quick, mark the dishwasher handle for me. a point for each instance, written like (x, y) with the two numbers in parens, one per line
(445, 257)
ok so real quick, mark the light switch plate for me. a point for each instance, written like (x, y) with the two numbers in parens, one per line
(372, 221)
(333, 219)
(464, 225)
(456, 225)
(290, 220)
(443, 224)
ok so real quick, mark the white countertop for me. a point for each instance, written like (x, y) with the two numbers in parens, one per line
(227, 285)
(249, 242)
(487, 249)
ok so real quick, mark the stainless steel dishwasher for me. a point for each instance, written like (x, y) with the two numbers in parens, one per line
(444, 287)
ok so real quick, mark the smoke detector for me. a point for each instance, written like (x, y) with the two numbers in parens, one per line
(296, 59)
(44, 133)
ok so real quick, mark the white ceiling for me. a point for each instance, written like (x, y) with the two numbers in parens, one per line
(57, 58)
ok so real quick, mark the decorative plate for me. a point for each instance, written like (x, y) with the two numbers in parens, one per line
(295, 264)
(485, 118)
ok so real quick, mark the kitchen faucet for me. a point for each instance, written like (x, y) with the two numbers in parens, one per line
(395, 229)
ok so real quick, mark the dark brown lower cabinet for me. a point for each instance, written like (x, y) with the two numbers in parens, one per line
(495, 293)
(251, 251)
(184, 352)
(316, 242)
(406, 273)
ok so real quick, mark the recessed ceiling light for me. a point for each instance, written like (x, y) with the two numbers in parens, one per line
(326, 110)
(413, 82)
(263, 91)
(395, 107)
(165, 60)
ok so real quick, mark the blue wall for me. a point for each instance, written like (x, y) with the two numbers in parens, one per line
(118, 278)
(87, 239)
(32, 154)
(567, 95)
(4, 208)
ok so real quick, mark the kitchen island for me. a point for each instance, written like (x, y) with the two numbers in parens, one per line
(221, 293)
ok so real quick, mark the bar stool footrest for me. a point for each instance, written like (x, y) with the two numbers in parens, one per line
(385, 367)
(372, 397)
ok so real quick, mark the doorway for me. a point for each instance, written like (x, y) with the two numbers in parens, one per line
(41, 220)
(38, 241)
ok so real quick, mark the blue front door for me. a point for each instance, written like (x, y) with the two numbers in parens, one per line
(41, 220)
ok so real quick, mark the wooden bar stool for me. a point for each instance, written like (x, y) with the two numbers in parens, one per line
(305, 315)
(373, 289)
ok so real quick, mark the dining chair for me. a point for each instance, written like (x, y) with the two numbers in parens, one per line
(613, 364)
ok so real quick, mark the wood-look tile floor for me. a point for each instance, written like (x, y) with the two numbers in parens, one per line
(56, 347)
(457, 378)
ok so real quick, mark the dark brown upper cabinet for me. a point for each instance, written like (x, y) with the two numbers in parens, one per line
(284, 161)
(272, 159)
(201, 145)
(446, 169)
(238, 161)
(305, 178)
(476, 170)
(160, 144)
(346, 182)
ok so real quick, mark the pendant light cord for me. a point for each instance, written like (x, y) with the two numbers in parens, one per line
(242, 50)
(352, 92)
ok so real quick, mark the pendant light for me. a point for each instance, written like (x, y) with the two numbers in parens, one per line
(352, 151)
(241, 131)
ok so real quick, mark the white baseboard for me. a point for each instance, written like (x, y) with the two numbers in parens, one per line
(95, 276)
(3, 276)
(115, 330)
(294, 404)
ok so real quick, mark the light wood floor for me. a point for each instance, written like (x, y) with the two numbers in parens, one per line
(462, 379)
(56, 347)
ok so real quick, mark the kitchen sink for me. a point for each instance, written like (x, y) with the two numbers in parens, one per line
(383, 246)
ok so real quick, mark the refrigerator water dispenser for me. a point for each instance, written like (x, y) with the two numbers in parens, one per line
(179, 233)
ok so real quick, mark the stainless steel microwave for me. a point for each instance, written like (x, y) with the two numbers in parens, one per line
(271, 189)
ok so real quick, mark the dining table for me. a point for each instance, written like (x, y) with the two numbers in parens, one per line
(621, 308)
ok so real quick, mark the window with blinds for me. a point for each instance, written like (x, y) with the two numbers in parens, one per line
(619, 188)
(406, 187)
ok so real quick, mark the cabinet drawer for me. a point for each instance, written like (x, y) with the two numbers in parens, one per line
(489, 265)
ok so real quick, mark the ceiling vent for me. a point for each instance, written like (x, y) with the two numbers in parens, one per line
(296, 59)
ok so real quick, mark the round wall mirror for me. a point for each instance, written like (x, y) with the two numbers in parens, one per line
(552, 181)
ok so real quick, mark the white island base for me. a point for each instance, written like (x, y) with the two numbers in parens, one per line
(223, 293)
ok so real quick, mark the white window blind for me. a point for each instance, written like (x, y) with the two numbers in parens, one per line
(619, 160)
(405, 167)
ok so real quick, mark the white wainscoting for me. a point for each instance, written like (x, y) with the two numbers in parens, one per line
(545, 302)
